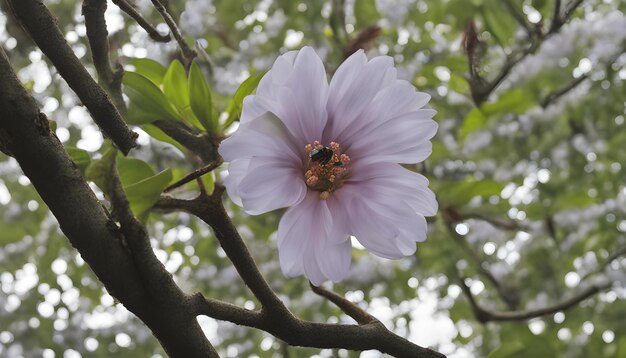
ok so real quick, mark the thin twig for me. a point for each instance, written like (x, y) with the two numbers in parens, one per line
(612, 257)
(556, 16)
(203, 145)
(151, 30)
(569, 12)
(188, 52)
(484, 315)
(507, 294)
(195, 175)
(563, 90)
(349, 308)
(496, 222)
(481, 90)
(518, 17)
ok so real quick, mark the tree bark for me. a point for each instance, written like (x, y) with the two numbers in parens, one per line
(24, 131)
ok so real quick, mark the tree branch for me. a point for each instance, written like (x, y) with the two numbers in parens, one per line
(518, 17)
(42, 27)
(195, 175)
(188, 52)
(556, 16)
(506, 293)
(202, 144)
(349, 308)
(210, 209)
(563, 90)
(484, 315)
(132, 12)
(93, 10)
(612, 257)
(87, 225)
(274, 317)
(481, 90)
(297, 332)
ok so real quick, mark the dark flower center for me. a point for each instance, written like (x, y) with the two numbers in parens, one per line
(327, 168)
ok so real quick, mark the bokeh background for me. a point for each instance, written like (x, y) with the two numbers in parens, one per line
(531, 183)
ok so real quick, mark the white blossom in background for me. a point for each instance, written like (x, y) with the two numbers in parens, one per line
(197, 17)
(330, 153)
(394, 11)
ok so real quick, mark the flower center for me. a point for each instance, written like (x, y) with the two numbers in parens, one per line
(326, 169)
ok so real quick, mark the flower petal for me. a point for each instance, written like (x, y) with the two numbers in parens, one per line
(399, 140)
(389, 103)
(334, 259)
(263, 136)
(382, 221)
(399, 182)
(305, 244)
(308, 90)
(270, 184)
(237, 170)
(296, 91)
(299, 230)
(348, 101)
(278, 75)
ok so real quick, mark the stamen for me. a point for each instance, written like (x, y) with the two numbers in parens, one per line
(326, 170)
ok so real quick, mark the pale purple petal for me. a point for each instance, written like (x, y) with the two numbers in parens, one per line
(345, 105)
(390, 102)
(296, 91)
(278, 75)
(344, 77)
(399, 140)
(263, 136)
(299, 232)
(270, 184)
(304, 244)
(308, 89)
(382, 218)
(237, 170)
(334, 259)
(397, 182)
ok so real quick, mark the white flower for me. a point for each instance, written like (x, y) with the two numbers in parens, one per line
(330, 153)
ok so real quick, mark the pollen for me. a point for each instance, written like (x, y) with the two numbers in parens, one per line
(326, 169)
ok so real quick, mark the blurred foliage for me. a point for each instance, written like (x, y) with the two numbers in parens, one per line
(536, 194)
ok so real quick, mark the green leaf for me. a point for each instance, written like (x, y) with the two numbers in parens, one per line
(460, 193)
(516, 101)
(506, 350)
(458, 84)
(365, 13)
(247, 87)
(145, 193)
(200, 98)
(474, 120)
(209, 182)
(147, 98)
(575, 200)
(541, 5)
(158, 134)
(98, 170)
(80, 157)
(499, 24)
(133, 170)
(175, 85)
(150, 69)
